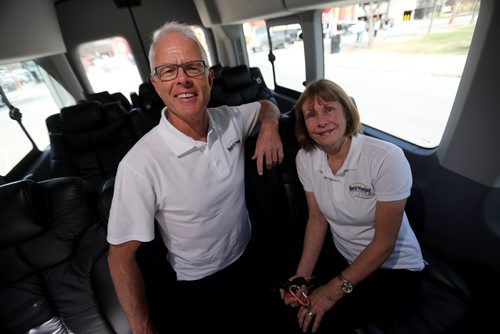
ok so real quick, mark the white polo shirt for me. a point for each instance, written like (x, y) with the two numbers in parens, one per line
(374, 170)
(195, 190)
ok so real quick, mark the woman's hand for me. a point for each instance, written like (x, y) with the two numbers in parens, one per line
(294, 292)
(321, 301)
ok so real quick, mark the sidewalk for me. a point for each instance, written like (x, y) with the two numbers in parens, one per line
(435, 64)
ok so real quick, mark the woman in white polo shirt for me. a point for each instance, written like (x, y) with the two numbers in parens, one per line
(356, 187)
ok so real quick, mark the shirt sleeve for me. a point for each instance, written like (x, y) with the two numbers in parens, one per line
(304, 169)
(249, 117)
(394, 180)
(132, 208)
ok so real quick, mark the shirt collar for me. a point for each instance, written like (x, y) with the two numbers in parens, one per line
(178, 142)
(320, 162)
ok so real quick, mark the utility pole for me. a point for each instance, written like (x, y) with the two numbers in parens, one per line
(454, 10)
(432, 16)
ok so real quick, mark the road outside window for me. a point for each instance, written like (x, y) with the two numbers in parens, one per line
(402, 65)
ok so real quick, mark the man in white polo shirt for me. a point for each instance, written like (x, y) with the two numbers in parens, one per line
(188, 174)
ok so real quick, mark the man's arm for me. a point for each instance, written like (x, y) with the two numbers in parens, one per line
(269, 146)
(129, 286)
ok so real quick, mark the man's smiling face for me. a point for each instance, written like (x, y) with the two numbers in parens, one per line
(186, 97)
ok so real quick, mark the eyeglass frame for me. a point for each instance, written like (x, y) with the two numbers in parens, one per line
(177, 66)
(299, 294)
(294, 287)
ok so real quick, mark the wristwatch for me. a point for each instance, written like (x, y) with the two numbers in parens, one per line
(345, 285)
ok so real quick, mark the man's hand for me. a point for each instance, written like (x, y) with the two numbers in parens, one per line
(268, 147)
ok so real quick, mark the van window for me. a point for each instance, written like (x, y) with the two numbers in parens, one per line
(200, 34)
(258, 49)
(110, 65)
(401, 65)
(287, 49)
(37, 95)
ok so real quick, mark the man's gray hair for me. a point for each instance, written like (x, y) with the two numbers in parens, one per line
(169, 28)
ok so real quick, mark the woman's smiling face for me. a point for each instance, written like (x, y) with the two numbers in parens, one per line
(325, 122)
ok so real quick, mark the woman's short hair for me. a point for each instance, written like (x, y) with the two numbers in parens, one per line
(322, 91)
(169, 28)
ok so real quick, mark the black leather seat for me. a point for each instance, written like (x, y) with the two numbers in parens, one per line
(445, 302)
(89, 140)
(149, 105)
(217, 69)
(53, 254)
(105, 97)
(236, 85)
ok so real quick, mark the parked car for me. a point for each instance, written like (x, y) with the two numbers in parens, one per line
(22, 75)
(7, 82)
(279, 38)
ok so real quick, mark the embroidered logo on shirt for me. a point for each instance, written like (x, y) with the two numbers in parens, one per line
(233, 143)
(360, 190)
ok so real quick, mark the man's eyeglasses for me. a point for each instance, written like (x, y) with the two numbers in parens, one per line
(169, 72)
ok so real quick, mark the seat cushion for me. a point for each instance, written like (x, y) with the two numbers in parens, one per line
(51, 240)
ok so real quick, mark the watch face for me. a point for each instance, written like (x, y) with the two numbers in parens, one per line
(346, 286)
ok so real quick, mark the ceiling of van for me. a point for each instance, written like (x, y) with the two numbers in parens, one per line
(215, 12)
(29, 29)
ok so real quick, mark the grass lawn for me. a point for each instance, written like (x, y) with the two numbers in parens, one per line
(453, 41)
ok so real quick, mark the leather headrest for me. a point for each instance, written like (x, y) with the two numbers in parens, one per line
(112, 112)
(102, 97)
(234, 78)
(119, 97)
(147, 89)
(217, 69)
(82, 117)
(54, 123)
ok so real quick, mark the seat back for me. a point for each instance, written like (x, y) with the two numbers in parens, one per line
(105, 97)
(236, 86)
(89, 140)
(277, 207)
(53, 250)
(217, 70)
(149, 104)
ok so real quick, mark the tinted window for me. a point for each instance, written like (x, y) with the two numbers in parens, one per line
(36, 94)
(402, 64)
